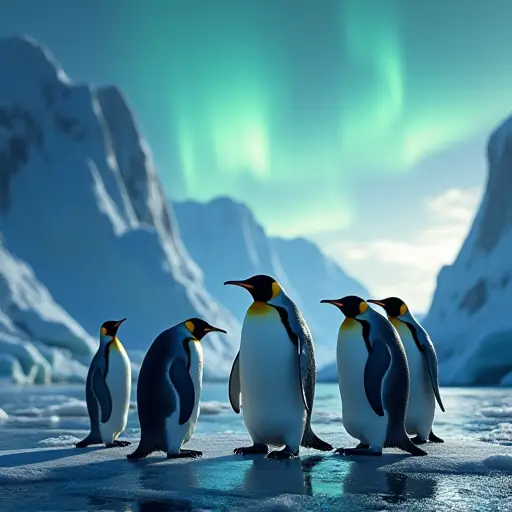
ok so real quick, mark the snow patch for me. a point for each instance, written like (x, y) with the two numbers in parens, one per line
(214, 407)
(497, 412)
(71, 408)
(64, 440)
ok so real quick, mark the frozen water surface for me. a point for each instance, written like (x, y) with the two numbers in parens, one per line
(40, 470)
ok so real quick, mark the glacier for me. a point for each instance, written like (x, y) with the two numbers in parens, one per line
(469, 318)
(84, 224)
(229, 230)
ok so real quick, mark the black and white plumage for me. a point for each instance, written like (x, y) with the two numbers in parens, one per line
(169, 390)
(274, 373)
(423, 370)
(108, 389)
(373, 378)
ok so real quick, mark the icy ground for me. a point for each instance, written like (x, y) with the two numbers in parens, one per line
(41, 471)
(455, 476)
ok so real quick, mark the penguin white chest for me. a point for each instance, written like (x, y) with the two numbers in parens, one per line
(272, 405)
(359, 419)
(119, 383)
(421, 407)
(178, 435)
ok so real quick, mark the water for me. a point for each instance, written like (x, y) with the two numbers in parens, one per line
(38, 413)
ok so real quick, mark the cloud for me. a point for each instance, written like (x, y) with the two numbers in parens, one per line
(407, 264)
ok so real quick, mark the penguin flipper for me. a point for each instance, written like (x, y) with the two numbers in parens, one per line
(182, 381)
(431, 358)
(376, 367)
(234, 385)
(102, 394)
(297, 331)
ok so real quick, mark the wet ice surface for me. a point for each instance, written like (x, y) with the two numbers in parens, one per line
(41, 471)
(455, 476)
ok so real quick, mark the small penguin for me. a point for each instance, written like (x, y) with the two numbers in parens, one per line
(423, 370)
(373, 380)
(169, 390)
(107, 389)
(274, 372)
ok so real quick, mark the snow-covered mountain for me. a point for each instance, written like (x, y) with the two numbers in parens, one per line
(470, 317)
(87, 234)
(227, 242)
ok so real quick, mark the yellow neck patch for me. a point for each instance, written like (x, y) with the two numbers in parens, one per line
(115, 344)
(276, 289)
(396, 323)
(349, 323)
(259, 308)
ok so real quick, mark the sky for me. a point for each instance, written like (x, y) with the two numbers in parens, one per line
(360, 124)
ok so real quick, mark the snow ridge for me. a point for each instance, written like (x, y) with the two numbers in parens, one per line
(85, 225)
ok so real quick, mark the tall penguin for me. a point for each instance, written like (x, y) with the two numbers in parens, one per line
(169, 390)
(274, 372)
(373, 380)
(107, 389)
(423, 370)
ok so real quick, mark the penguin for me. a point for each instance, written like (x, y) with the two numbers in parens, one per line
(169, 390)
(373, 380)
(274, 373)
(423, 368)
(107, 390)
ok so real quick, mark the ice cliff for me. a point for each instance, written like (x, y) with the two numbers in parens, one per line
(470, 318)
(86, 232)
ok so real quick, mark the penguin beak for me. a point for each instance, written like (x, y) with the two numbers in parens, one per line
(378, 302)
(240, 283)
(117, 324)
(336, 303)
(214, 329)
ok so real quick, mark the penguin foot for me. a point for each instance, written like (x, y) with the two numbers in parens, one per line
(90, 439)
(434, 439)
(360, 446)
(192, 454)
(358, 451)
(285, 453)
(137, 455)
(82, 444)
(118, 444)
(418, 440)
(255, 449)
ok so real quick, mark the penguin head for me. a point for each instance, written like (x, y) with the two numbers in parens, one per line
(393, 306)
(261, 287)
(199, 328)
(351, 306)
(109, 329)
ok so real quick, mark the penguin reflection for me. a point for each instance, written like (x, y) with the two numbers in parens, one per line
(178, 477)
(366, 478)
(292, 476)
